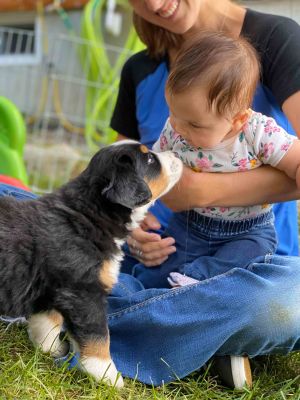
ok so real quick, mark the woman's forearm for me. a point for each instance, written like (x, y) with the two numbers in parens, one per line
(261, 185)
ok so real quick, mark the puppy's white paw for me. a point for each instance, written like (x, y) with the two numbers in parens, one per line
(44, 333)
(103, 370)
(50, 344)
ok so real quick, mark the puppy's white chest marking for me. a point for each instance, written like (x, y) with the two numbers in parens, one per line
(109, 270)
(137, 216)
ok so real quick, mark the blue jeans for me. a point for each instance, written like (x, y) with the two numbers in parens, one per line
(207, 247)
(159, 334)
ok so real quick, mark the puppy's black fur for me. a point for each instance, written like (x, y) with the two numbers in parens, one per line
(53, 249)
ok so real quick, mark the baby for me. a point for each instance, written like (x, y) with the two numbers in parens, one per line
(211, 128)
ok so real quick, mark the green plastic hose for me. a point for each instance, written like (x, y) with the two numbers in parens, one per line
(98, 69)
(12, 141)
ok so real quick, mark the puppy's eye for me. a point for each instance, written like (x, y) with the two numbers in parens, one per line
(150, 159)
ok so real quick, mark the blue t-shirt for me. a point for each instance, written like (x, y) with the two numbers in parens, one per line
(141, 109)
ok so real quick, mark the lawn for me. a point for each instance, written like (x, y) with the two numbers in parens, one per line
(26, 374)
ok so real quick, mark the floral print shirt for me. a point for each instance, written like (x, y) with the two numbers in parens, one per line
(261, 141)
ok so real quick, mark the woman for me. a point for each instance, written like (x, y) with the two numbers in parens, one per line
(276, 39)
(140, 114)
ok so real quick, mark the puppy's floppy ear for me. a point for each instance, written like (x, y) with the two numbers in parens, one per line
(128, 190)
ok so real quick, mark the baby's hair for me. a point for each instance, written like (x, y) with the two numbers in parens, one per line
(228, 69)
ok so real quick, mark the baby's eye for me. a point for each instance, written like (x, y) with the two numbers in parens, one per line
(195, 126)
(150, 159)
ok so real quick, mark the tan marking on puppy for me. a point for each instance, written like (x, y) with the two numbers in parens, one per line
(158, 185)
(96, 361)
(56, 317)
(96, 348)
(108, 274)
(144, 149)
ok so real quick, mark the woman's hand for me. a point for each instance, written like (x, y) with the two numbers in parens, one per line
(148, 247)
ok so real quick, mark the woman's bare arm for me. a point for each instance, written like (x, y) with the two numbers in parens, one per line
(261, 185)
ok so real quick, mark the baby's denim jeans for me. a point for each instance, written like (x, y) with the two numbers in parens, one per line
(159, 334)
(207, 247)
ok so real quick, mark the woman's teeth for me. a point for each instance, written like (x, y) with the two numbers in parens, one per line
(170, 10)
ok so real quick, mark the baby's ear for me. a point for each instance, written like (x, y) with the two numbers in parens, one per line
(240, 119)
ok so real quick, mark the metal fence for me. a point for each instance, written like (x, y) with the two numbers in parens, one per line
(66, 96)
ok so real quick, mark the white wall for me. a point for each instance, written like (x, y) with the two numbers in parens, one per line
(24, 84)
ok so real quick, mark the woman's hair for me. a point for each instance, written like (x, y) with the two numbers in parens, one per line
(157, 40)
(228, 69)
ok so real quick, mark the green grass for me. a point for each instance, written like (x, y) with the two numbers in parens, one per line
(26, 373)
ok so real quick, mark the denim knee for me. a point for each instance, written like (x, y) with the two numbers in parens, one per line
(273, 311)
(277, 320)
(270, 325)
(12, 191)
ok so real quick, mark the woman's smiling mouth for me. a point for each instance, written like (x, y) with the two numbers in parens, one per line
(169, 11)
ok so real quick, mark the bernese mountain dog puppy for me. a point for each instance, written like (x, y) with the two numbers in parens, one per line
(60, 253)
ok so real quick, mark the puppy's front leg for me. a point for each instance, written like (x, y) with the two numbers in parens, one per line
(96, 360)
(85, 317)
(44, 329)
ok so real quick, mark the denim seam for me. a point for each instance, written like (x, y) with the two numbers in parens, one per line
(13, 193)
(125, 288)
(171, 293)
(272, 250)
(269, 257)
(251, 266)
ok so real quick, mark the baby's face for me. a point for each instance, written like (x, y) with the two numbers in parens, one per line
(195, 122)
